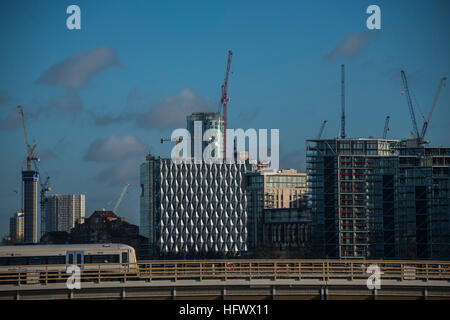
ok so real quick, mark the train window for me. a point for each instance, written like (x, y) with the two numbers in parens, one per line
(87, 259)
(70, 258)
(56, 260)
(124, 257)
(3, 261)
(37, 260)
(105, 258)
(18, 261)
(79, 258)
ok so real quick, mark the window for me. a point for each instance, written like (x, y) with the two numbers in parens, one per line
(70, 258)
(37, 260)
(124, 257)
(56, 260)
(18, 261)
(102, 258)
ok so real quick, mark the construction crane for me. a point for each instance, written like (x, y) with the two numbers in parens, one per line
(322, 127)
(420, 137)
(425, 124)
(411, 108)
(343, 101)
(44, 189)
(386, 127)
(122, 194)
(177, 141)
(224, 103)
(30, 150)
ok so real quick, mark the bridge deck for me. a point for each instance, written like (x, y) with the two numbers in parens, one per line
(280, 279)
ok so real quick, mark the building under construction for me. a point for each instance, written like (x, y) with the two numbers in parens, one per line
(423, 202)
(380, 198)
(352, 190)
(30, 178)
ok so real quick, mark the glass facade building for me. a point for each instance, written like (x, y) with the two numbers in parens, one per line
(379, 199)
(208, 120)
(424, 214)
(30, 202)
(285, 189)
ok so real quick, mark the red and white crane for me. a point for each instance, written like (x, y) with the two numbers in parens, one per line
(224, 102)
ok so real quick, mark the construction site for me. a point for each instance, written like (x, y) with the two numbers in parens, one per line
(368, 197)
(380, 198)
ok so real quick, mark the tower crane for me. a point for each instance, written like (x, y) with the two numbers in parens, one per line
(322, 127)
(30, 150)
(386, 127)
(410, 105)
(425, 124)
(224, 103)
(177, 142)
(122, 194)
(419, 137)
(44, 189)
(343, 101)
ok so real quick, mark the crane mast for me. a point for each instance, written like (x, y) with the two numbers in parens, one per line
(322, 127)
(224, 102)
(44, 189)
(386, 127)
(343, 102)
(122, 194)
(410, 105)
(30, 150)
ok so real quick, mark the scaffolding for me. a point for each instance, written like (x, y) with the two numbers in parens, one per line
(351, 187)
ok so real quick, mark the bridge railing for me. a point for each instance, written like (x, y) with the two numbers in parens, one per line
(228, 269)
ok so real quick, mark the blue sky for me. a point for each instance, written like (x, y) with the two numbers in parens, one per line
(98, 99)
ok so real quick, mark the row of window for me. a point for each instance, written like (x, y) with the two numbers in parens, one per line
(42, 260)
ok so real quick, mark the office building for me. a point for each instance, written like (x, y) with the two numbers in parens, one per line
(286, 228)
(194, 210)
(284, 189)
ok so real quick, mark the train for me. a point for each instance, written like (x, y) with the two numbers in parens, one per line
(106, 256)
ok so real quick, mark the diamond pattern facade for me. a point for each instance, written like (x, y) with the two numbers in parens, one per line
(198, 209)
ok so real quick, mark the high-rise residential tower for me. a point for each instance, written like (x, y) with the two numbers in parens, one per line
(16, 227)
(63, 212)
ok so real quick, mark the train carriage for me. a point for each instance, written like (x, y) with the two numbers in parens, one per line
(35, 258)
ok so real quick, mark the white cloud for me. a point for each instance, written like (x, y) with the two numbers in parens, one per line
(171, 113)
(115, 148)
(77, 70)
